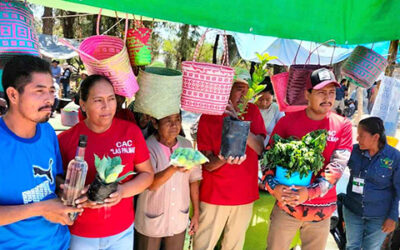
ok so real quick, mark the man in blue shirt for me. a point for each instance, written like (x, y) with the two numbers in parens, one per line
(340, 95)
(31, 215)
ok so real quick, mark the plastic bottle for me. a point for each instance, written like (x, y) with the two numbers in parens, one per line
(76, 176)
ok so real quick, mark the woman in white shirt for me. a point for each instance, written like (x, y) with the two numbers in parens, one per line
(269, 109)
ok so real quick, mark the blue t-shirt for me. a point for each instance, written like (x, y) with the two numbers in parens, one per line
(56, 73)
(28, 168)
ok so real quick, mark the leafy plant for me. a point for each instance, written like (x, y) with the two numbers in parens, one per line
(260, 72)
(298, 155)
(108, 169)
(187, 157)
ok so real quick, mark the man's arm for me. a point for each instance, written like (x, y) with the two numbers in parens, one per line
(214, 161)
(256, 142)
(53, 210)
(331, 175)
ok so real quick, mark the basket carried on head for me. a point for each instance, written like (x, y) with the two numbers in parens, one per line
(138, 45)
(17, 30)
(206, 86)
(160, 92)
(108, 56)
(299, 78)
(364, 66)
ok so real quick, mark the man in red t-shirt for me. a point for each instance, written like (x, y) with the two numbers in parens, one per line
(309, 208)
(229, 186)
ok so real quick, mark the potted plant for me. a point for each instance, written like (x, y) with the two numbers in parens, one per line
(296, 160)
(106, 180)
(235, 131)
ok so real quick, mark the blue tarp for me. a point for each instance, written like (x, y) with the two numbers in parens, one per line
(285, 50)
(51, 48)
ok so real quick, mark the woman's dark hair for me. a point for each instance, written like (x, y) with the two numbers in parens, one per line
(88, 83)
(374, 125)
(268, 88)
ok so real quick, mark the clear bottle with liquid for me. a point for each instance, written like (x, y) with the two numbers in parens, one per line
(76, 176)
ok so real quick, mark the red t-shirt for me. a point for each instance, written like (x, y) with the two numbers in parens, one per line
(229, 184)
(298, 124)
(122, 139)
(123, 114)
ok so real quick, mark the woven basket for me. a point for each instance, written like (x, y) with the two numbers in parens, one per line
(108, 56)
(279, 83)
(138, 45)
(364, 66)
(17, 30)
(299, 78)
(206, 86)
(160, 92)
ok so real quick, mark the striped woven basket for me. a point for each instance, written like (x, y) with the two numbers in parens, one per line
(364, 66)
(17, 30)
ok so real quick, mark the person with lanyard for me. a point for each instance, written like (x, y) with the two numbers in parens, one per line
(372, 199)
(268, 108)
(108, 225)
(162, 214)
(309, 209)
(229, 186)
(31, 214)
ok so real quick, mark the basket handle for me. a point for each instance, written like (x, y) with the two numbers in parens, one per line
(295, 57)
(69, 45)
(316, 49)
(98, 24)
(310, 54)
(225, 56)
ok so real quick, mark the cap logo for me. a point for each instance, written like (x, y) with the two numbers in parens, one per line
(324, 75)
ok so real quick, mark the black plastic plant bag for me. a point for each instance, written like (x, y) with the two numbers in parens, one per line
(234, 137)
(99, 191)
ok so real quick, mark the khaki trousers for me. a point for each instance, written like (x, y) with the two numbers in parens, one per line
(283, 228)
(215, 219)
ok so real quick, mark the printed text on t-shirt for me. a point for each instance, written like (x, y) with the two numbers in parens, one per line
(123, 147)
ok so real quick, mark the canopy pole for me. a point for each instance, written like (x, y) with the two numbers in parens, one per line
(393, 48)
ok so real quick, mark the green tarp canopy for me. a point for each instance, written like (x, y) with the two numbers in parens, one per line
(345, 21)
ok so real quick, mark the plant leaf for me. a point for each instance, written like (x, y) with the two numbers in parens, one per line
(125, 175)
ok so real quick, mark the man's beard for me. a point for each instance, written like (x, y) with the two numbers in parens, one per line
(44, 119)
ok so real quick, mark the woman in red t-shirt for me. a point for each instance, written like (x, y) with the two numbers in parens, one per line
(108, 225)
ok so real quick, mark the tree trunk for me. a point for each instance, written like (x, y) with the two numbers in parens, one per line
(183, 45)
(393, 48)
(233, 53)
(48, 23)
(68, 24)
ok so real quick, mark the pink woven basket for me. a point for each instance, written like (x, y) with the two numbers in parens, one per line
(17, 30)
(364, 66)
(280, 83)
(206, 86)
(108, 56)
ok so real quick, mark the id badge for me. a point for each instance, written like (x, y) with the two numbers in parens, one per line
(358, 185)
